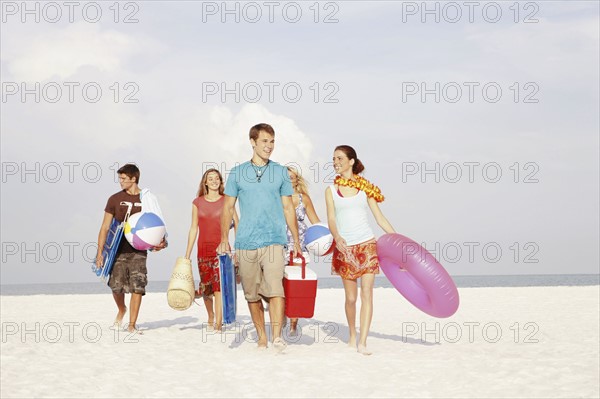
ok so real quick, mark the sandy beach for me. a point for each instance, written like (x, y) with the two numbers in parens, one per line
(502, 343)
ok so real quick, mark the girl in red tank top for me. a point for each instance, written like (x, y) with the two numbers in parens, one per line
(206, 218)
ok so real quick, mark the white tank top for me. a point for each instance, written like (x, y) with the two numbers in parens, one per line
(351, 217)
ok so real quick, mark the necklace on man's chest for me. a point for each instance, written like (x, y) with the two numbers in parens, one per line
(259, 171)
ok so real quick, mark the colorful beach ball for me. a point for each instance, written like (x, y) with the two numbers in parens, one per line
(318, 239)
(144, 230)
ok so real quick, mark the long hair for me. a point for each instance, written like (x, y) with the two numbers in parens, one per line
(358, 166)
(301, 183)
(203, 189)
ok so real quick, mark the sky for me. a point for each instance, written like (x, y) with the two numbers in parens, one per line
(478, 120)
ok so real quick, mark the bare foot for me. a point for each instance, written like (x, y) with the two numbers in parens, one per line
(362, 349)
(352, 342)
(262, 344)
(133, 329)
(293, 327)
(119, 319)
(279, 344)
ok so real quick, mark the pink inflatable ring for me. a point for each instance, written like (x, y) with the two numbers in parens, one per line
(417, 275)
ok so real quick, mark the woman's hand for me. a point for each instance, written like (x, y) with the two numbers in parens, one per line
(340, 244)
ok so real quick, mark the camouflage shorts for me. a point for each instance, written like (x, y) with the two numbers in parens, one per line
(129, 274)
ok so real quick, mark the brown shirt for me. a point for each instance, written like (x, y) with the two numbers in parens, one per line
(116, 206)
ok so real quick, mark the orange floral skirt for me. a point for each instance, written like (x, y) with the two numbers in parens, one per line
(360, 259)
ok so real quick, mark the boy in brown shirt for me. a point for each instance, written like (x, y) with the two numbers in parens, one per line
(129, 273)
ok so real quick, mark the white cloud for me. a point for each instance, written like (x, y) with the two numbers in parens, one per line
(60, 53)
(217, 134)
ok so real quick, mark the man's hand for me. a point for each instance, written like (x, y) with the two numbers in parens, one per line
(223, 248)
(163, 244)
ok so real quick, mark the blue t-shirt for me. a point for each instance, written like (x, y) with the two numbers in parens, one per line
(262, 222)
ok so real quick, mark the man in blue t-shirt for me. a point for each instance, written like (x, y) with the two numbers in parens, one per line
(265, 193)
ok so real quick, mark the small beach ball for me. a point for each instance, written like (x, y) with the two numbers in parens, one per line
(144, 230)
(318, 239)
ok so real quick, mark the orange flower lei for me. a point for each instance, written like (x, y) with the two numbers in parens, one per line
(363, 184)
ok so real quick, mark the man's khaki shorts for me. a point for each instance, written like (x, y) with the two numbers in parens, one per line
(261, 272)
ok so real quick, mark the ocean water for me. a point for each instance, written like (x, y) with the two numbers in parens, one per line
(547, 280)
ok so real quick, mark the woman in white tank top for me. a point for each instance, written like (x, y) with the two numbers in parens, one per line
(348, 201)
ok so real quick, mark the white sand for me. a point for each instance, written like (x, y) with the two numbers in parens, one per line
(548, 347)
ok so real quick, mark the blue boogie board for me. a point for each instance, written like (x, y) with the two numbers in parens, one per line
(228, 288)
(109, 252)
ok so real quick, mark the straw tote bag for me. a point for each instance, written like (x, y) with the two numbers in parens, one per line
(180, 293)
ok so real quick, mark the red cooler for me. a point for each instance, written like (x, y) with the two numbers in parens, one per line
(300, 286)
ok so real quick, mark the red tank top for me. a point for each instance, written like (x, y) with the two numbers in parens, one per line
(209, 224)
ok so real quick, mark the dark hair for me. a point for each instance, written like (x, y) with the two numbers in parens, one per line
(203, 189)
(358, 166)
(256, 129)
(131, 171)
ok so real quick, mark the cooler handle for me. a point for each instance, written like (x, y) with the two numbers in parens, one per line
(303, 263)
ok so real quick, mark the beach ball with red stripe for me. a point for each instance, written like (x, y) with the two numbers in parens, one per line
(144, 230)
(318, 239)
